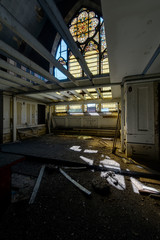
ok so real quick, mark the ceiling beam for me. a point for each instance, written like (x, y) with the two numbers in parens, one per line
(3, 87)
(88, 101)
(27, 62)
(59, 96)
(22, 73)
(75, 88)
(88, 93)
(77, 94)
(57, 20)
(37, 98)
(99, 93)
(68, 95)
(17, 80)
(14, 85)
(48, 96)
(11, 22)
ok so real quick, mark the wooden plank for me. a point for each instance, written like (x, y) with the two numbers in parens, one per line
(27, 62)
(57, 20)
(77, 94)
(17, 80)
(99, 93)
(88, 93)
(69, 87)
(11, 22)
(74, 182)
(13, 85)
(36, 187)
(147, 180)
(20, 72)
(143, 188)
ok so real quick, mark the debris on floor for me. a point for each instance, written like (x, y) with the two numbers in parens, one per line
(151, 181)
(126, 161)
(115, 180)
(85, 137)
(143, 188)
(21, 187)
(100, 185)
(36, 187)
(63, 211)
(74, 182)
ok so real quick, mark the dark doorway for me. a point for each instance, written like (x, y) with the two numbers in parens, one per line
(41, 114)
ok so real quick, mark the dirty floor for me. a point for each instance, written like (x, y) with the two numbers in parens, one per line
(61, 210)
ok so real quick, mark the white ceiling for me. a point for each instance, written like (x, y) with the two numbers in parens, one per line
(133, 35)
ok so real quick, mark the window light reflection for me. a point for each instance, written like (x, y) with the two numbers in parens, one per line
(94, 114)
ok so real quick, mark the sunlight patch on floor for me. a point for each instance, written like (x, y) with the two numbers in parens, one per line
(118, 181)
(87, 160)
(109, 162)
(141, 187)
(90, 151)
(76, 148)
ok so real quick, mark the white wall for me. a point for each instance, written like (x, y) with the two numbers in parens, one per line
(26, 113)
(25, 116)
(85, 122)
(140, 113)
(132, 33)
(140, 119)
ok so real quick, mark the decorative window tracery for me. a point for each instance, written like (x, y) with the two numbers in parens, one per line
(87, 29)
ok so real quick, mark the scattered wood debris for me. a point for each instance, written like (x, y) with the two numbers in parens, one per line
(36, 187)
(151, 181)
(74, 182)
(143, 188)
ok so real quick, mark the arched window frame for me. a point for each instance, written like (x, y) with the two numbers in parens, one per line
(82, 46)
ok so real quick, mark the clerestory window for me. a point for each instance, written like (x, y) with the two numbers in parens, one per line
(87, 29)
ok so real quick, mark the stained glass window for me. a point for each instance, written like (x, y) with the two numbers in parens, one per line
(74, 67)
(61, 56)
(88, 31)
(84, 26)
(104, 63)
